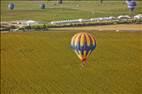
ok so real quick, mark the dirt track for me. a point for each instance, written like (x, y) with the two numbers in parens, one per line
(120, 27)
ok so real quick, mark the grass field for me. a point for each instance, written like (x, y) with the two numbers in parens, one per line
(68, 10)
(44, 63)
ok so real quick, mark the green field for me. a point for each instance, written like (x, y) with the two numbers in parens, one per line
(44, 63)
(26, 10)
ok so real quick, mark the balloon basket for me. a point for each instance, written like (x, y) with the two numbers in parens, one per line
(83, 63)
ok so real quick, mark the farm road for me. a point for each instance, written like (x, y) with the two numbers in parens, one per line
(120, 27)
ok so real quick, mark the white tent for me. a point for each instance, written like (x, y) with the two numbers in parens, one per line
(139, 16)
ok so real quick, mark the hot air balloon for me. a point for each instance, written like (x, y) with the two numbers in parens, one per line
(42, 6)
(83, 44)
(131, 4)
(11, 6)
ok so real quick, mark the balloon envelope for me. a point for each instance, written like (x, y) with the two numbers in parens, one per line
(83, 44)
(11, 6)
(131, 4)
(42, 6)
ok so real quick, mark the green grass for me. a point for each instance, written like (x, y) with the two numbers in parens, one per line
(44, 63)
(67, 10)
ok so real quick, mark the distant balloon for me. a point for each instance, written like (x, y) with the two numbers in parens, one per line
(83, 44)
(131, 4)
(11, 6)
(42, 6)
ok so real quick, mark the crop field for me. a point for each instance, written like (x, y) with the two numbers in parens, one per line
(44, 63)
(26, 10)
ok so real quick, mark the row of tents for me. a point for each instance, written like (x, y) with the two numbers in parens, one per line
(76, 21)
(111, 18)
(16, 25)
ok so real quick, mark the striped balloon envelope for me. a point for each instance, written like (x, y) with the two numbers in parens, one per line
(131, 4)
(83, 44)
